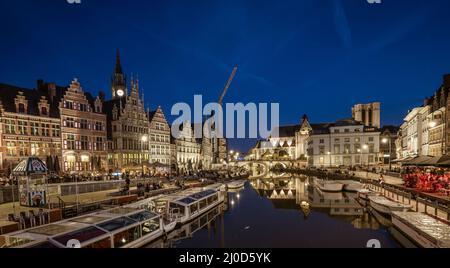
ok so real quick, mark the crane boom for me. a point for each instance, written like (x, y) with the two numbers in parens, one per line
(227, 86)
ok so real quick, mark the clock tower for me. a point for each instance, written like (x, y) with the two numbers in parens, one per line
(118, 80)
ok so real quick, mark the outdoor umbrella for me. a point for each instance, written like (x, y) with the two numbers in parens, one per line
(30, 166)
(49, 162)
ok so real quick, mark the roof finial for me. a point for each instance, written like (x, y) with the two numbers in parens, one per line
(118, 69)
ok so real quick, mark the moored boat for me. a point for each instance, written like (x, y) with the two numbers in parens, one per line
(119, 227)
(386, 206)
(236, 184)
(352, 186)
(425, 231)
(364, 194)
(329, 186)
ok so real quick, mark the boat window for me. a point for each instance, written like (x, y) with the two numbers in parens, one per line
(150, 226)
(104, 243)
(177, 209)
(116, 224)
(194, 208)
(204, 220)
(123, 238)
(143, 216)
(210, 200)
(81, 235)
(194, 226)
(203, 204)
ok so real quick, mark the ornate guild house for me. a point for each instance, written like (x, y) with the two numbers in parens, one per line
(83, 130)
(128, 124)
(29, 125)
(159, 139)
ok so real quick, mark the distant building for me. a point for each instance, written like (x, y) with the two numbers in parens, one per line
(188, 149)
(425, 130)
(388, 137)
(343, 143)
(368, 114)
(159, 138)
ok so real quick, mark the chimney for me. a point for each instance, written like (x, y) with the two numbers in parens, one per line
(51, 91)
(40, 84)
(101, 95)
(447, 81)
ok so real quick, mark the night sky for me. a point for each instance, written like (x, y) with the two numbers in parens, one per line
(317, 57)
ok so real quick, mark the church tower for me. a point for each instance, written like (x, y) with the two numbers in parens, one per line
(118, 80)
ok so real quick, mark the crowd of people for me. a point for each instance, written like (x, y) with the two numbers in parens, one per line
(427, 180)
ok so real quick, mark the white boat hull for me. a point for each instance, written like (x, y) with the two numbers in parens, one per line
(331, 187)
(353, 187)
(191, 217)
(415, 236)
(236, 185)
(388, 207)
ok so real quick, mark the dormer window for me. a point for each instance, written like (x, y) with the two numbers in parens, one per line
(21, 108)
(44, 111)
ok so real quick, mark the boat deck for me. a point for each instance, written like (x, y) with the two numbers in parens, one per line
(436, 230)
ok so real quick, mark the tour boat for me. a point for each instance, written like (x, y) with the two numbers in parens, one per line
(236, 184)
(425, 231)
(194, 204)
(121, 227)
(386, 206)
(329, 186)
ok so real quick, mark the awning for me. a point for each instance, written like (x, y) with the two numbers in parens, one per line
(418, 161)
(436, 161)
(403, 160)
(30, 166)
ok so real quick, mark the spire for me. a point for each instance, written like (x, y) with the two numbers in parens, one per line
(118, 69)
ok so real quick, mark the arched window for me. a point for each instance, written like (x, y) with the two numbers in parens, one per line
(21, 108)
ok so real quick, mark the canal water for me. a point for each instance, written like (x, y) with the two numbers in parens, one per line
(283, 213)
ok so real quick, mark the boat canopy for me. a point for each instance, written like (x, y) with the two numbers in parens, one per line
(194, 197)
(86, 229)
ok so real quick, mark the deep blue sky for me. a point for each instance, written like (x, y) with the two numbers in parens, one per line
(317, 57)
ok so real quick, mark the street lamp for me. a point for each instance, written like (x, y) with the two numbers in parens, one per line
(144, 140)
(388, 141)
(365, 147)
(329, 155)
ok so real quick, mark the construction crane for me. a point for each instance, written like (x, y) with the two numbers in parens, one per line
(221, 142)
(227, 86)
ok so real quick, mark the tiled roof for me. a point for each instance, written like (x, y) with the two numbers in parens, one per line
(8, 94)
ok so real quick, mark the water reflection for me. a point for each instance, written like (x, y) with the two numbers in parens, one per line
(282, 212)
(299, 193)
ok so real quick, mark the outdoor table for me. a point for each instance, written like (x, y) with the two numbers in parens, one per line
(8, 227)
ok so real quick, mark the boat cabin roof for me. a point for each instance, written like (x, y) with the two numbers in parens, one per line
(89, 228)
(195, 197)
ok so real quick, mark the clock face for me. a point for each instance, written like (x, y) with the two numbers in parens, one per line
(120, 93)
